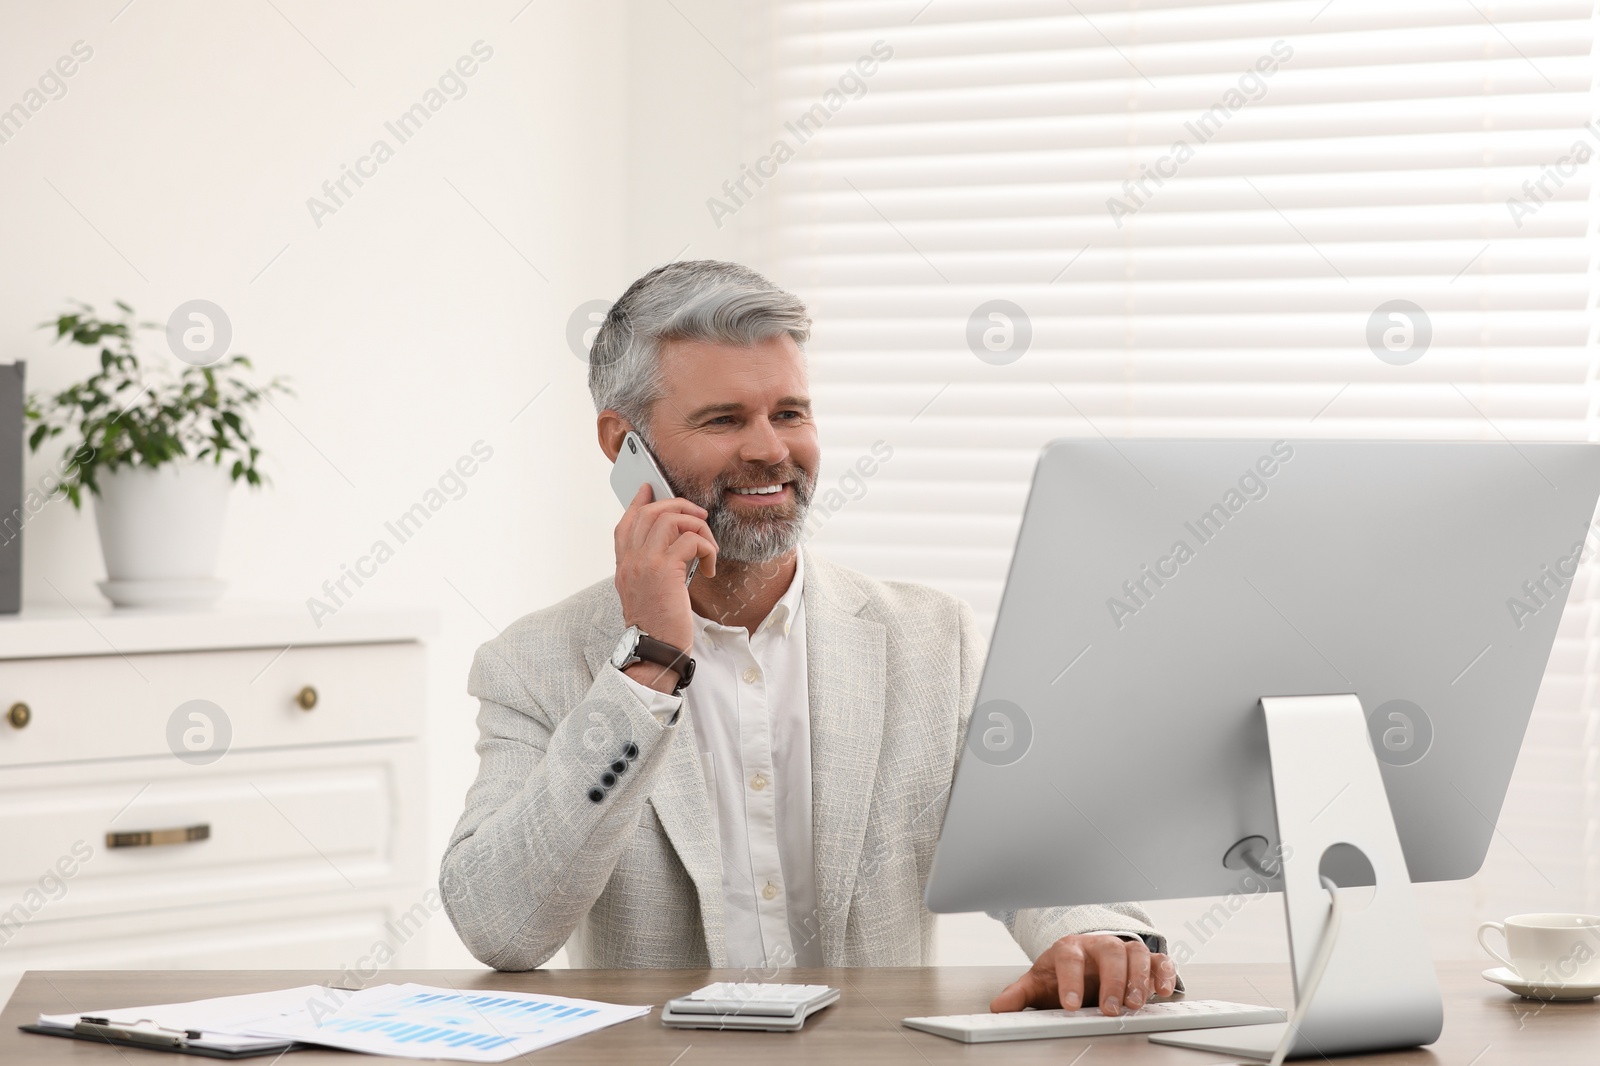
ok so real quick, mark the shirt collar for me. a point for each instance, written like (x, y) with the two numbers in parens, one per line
(783, 612)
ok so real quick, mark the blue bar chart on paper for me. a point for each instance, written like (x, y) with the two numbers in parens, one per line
(455, 1020)
(419, 1021)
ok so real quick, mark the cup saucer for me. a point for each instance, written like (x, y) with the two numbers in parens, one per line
(1541, 990)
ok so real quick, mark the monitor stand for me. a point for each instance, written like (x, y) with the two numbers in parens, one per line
(1379, 990)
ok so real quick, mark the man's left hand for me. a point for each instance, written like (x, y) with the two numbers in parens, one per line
(1091, 968)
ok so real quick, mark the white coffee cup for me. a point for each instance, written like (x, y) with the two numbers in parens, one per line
(1551, 949)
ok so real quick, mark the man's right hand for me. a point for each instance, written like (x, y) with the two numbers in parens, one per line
(655, 542)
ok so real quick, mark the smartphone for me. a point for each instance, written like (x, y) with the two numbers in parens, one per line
(635, 466)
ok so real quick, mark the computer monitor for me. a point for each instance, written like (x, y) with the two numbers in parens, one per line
(1160, 589)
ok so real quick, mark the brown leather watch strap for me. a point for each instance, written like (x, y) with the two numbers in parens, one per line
(661, 653)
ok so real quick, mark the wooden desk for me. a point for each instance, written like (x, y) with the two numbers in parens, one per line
(1484, 1025)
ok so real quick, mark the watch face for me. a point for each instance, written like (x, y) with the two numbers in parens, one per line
(625, 646)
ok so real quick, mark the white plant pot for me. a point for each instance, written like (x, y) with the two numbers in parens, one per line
(160, 531)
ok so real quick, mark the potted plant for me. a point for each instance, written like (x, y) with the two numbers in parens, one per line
(159, 450)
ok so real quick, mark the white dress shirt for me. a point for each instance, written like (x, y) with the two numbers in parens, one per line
(752, 716)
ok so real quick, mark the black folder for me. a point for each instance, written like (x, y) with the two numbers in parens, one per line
(152, 1040)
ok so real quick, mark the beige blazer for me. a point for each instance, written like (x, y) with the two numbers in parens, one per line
(632, 874)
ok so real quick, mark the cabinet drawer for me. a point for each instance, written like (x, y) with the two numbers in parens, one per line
(276, 824)
(332, 931)
(112, 706)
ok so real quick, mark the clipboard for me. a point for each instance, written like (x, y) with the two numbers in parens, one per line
(152, 1037)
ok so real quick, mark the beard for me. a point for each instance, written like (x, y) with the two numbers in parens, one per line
(754, 536)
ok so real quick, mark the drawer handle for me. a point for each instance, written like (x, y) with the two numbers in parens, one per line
(306, 698)
(19, 715)
(155, 838)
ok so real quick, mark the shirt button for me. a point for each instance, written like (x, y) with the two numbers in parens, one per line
(770, 892)
(758, 783)
(751, 674)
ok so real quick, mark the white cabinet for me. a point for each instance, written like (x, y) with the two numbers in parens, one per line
(231, 788)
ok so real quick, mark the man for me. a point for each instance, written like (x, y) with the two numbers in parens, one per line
(749, 771)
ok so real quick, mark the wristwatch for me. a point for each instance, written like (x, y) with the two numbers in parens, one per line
(638, 646)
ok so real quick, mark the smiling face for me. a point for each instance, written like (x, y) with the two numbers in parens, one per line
(733, 420)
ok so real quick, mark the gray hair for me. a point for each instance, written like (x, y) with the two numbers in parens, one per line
(703, 300)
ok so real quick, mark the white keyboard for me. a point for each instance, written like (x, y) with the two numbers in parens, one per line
(1088, 1021)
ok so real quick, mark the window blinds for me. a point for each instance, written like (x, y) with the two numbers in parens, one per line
(1040, 218)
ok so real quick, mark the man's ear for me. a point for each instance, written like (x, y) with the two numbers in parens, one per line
(611, 428)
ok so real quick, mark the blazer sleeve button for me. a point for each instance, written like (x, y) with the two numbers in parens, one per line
(597, 794)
